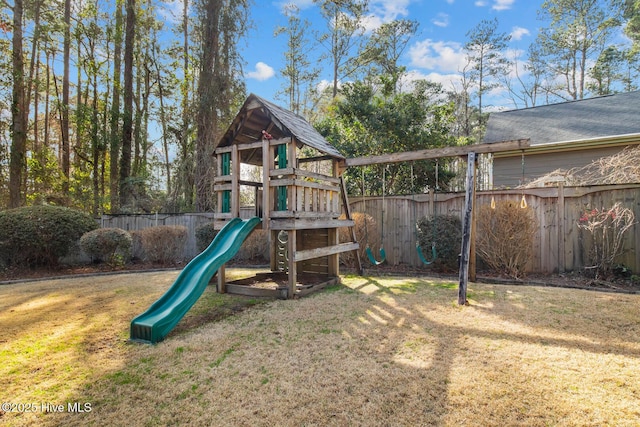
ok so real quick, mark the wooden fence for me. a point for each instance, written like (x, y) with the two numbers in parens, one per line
(558, 245)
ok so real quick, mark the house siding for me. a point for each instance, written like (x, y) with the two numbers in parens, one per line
(508, 171)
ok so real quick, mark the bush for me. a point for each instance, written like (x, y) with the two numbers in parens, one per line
(366, 234)
(111, 245)
(446, 232)
(164, 244)
(40, 235)
(605, 229)
(255, 247)
(137, 251)
(504, 237)
(205, 235)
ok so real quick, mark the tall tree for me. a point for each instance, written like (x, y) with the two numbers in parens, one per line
(64, 113)
(607, 70)
(126, 190)
(485, 52)
(578, 32)
(344, 29)
(218, 85)
(114, 114)
(208, 86)
(19, 125)
(297, 72)
(528, 83)
(384, 49)
(365, 123)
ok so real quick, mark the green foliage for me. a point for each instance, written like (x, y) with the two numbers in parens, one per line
(445, 232)
(205, 235)
(364, 123)
(111, 245)
(163, 244)
(40, 235)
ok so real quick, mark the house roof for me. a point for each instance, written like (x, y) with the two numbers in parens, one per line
(599, 117)
(258, 114)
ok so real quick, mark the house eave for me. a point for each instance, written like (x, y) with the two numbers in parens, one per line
(573, 145)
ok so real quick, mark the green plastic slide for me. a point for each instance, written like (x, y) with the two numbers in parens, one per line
(163, 315)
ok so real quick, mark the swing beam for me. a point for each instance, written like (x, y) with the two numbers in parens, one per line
(467, 258)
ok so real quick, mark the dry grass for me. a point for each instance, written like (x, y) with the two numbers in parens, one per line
(377, 351)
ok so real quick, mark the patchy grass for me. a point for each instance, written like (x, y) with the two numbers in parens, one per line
(375, 351)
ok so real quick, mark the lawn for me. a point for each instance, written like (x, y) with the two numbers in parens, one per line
(376, 351)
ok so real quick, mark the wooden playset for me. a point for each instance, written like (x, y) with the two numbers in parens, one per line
(300, 197)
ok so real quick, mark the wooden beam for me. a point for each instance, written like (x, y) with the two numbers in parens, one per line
(292, 270)
(466, 230)
(436, 153)
(308, 224)
(347, 209)
(560, 221)
(326, 251)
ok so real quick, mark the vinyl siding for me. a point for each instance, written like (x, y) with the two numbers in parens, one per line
(508, 171)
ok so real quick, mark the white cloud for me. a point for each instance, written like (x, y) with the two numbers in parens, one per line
(372, 23)
(518, 32)
(171, 11)
(438, 55)
(390, 9)
(451, 1)
(448, 81)
(441, 20)
(480, 3)
(502, 4)
(262, 72)
(299, 4)
(385, 11)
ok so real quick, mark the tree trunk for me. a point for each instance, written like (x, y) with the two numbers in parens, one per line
(207, 109)
(114, 119)
(127, 123)
(64, 125)
(17, 162)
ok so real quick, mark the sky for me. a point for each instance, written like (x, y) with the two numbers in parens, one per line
(435, 53)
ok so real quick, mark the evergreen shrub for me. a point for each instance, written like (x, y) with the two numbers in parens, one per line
(446, 232)
(41, 235)
(205, 235)
(110, 245)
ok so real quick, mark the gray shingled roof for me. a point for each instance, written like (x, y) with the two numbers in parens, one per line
(258, 114)
(603, 116)
(300, 128)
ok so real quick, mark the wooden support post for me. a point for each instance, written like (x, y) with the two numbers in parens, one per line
(219, 172)
(560, 221)
(267, 164)
(222, 280)
(472, 245)
(293, 272)
(466, 229)
(347, 210)
(333, 260)
(235, 182)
